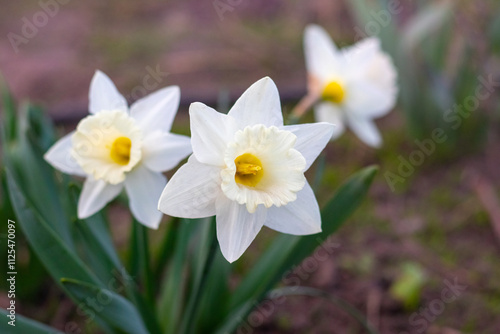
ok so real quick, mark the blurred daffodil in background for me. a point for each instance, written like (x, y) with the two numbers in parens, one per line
(350, 87)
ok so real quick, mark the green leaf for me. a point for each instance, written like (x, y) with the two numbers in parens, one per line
(31, 274)
(8, 128)
(235, 318)
(288, 250)
(104, 304)
(408, 286)
(335, 213)
(145, 309)
(96, 241)
(167, 247)
(140, 259)
(425, 24)
(171, 302)
(203, 261)
(494, 34)
(378, 20)
(24, 325)
(217, 292)
(41, 131)
(36, 178)
(58, 259)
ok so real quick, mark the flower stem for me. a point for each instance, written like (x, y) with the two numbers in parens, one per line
(140, 259)
(304, 104)
(188, 320)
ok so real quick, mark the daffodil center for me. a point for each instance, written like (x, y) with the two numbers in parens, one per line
(248, 170)
(333, 92)
(120, 150)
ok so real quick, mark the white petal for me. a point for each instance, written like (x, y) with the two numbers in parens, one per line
(259, 104)
(157, 110)
(369, 61)
(365, 129)
(191, 192)
(360, 54)
(163, 151)
(330, 113)
(321, 55)
(236, 227)
(368, 100)
(371, 89)
(95, 195)
(211, 131)
(144, 188)
(382, 73)
(300, 217)
(311, 139)
(59, 156)
(103, 95)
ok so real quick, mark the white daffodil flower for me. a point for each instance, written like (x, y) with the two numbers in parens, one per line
(116, 147)
(353, 86)
(247, 169)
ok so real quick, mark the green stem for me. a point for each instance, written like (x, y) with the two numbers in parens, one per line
(167, 247)
(140, 259)
(145, 309)
(306, 291)
(191, 309)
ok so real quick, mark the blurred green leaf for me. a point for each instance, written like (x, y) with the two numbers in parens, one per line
(216, 293)
(425, 24)
(408, 286)
(171, 302)
(24, 325)
(288, 250)
(31, 274)
(8, 128)
(167, 247)
(141, 269)
(36, 178)
(54, 254)
(374, 18)
(41, 132)
(202, 264)
(97, 243)
(235, 318)
(494, 34)
(140, 258)
(111, 308)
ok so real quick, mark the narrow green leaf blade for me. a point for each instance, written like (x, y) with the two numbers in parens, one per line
(106, 305)
(202, 265)
(54, 254)
(425, 24)
(347, 199)
(34, 176)
(167, 247)
(171, 303)
(8, 128)
(24, 325)
(288, 250)
(96, 241)
(216, 293)
(140, 259)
